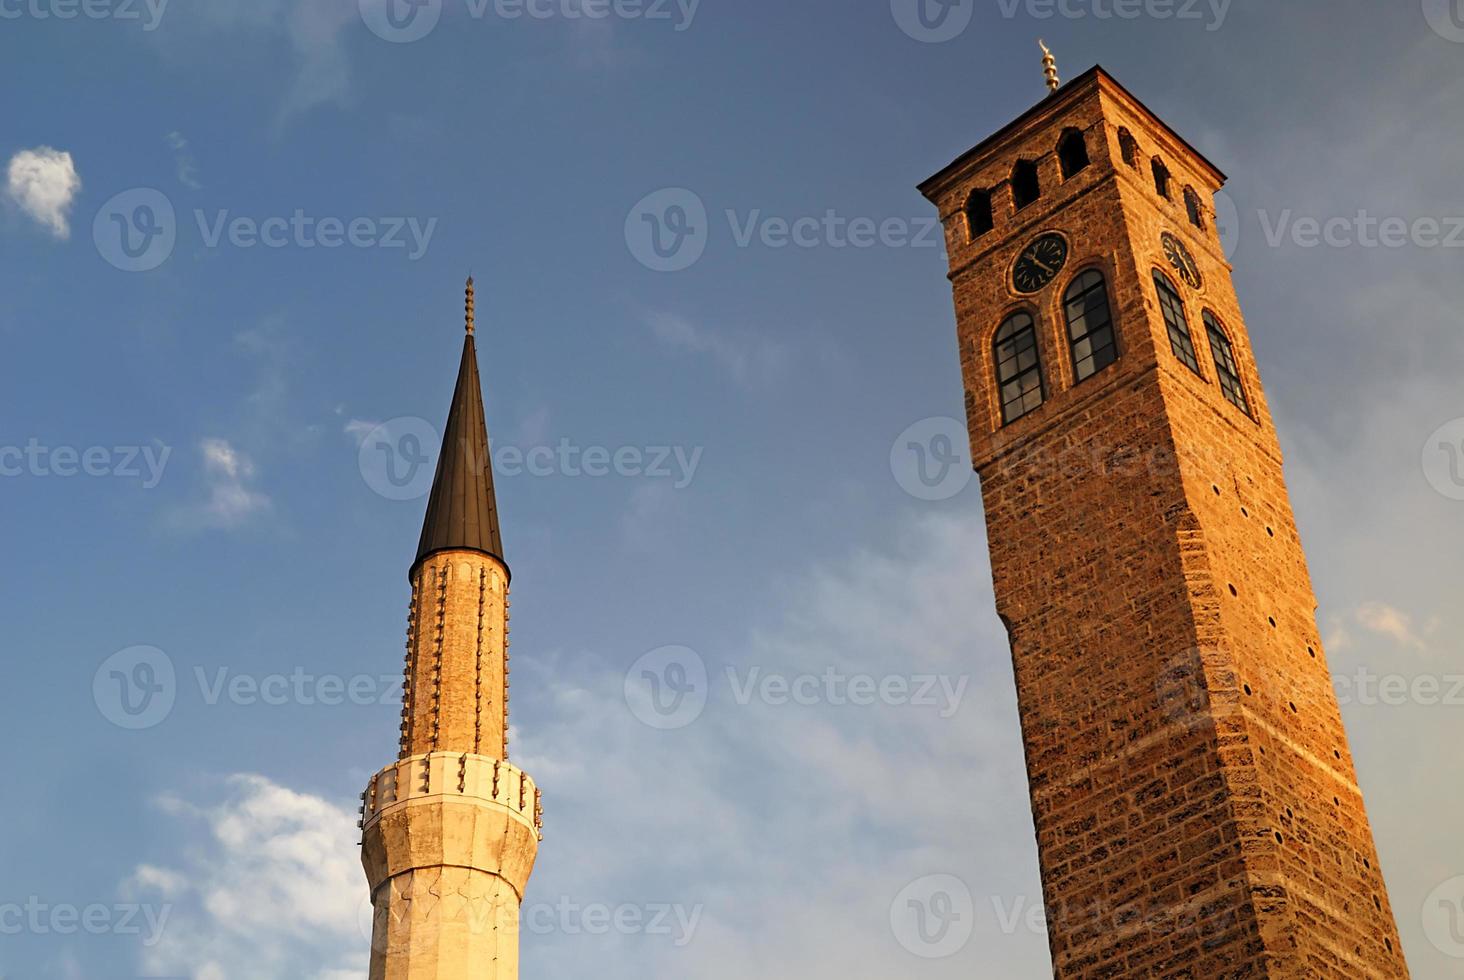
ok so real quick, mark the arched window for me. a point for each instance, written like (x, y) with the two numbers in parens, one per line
(1129, 147)
(1173, 309)
(1025, 186)
(1090, 325)
(1225, 367)
(1018, 366)
(978, 214)
(1072, 152)
(1192, 206)
(1161, 178)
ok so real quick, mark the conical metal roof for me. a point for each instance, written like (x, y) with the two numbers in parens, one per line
(462, 511)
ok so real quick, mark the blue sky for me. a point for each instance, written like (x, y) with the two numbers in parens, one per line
(238, 519)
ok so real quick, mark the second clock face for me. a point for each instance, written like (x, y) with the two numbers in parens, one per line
(1039, 263)
(1182, 260)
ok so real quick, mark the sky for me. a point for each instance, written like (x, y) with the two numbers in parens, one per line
(233, 237)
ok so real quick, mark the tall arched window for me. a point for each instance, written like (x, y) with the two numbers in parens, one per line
(1072, 152)
(1129, 147)
(1225, 367)
(1018, 366)
(1161, 178)
(978, 214)
(1173, 309)
(1090, 325)
(1025, 186)
(1192, 207)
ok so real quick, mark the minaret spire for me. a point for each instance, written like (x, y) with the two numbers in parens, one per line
(462, 511)
(1049, 67)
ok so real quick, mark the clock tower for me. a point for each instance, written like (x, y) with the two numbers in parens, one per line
(1195, 804)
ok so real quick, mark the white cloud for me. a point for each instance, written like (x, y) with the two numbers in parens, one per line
(749, 360)
(187, 167)
(268, 885)
(43, 183)
(1385, 620)
(228, 474)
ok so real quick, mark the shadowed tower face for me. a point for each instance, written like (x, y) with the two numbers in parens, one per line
(1196, 808)
(451, 830)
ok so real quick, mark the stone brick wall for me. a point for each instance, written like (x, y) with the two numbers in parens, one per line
(1196, 810)
(455, 693)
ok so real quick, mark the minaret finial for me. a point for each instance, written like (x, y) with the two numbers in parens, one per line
(469, 305)
(1049, 67)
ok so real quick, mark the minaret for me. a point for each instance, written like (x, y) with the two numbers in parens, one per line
(451, 829)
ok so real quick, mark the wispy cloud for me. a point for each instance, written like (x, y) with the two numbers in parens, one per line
(267, 885)
(43, 183)
(749, 360)
(228, 476)
(1385, 620)
(187, 167)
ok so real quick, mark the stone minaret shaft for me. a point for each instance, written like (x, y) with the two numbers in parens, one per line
(451, 830)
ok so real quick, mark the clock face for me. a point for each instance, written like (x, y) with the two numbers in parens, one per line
(1182, 260)
(1039, 263)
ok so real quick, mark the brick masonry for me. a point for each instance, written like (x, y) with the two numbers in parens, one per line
(1196, 808)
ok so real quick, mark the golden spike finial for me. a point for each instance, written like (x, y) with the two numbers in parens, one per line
(1049, 67)
(469, 304)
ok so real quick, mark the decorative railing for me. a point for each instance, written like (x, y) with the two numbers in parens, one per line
(479, 778)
